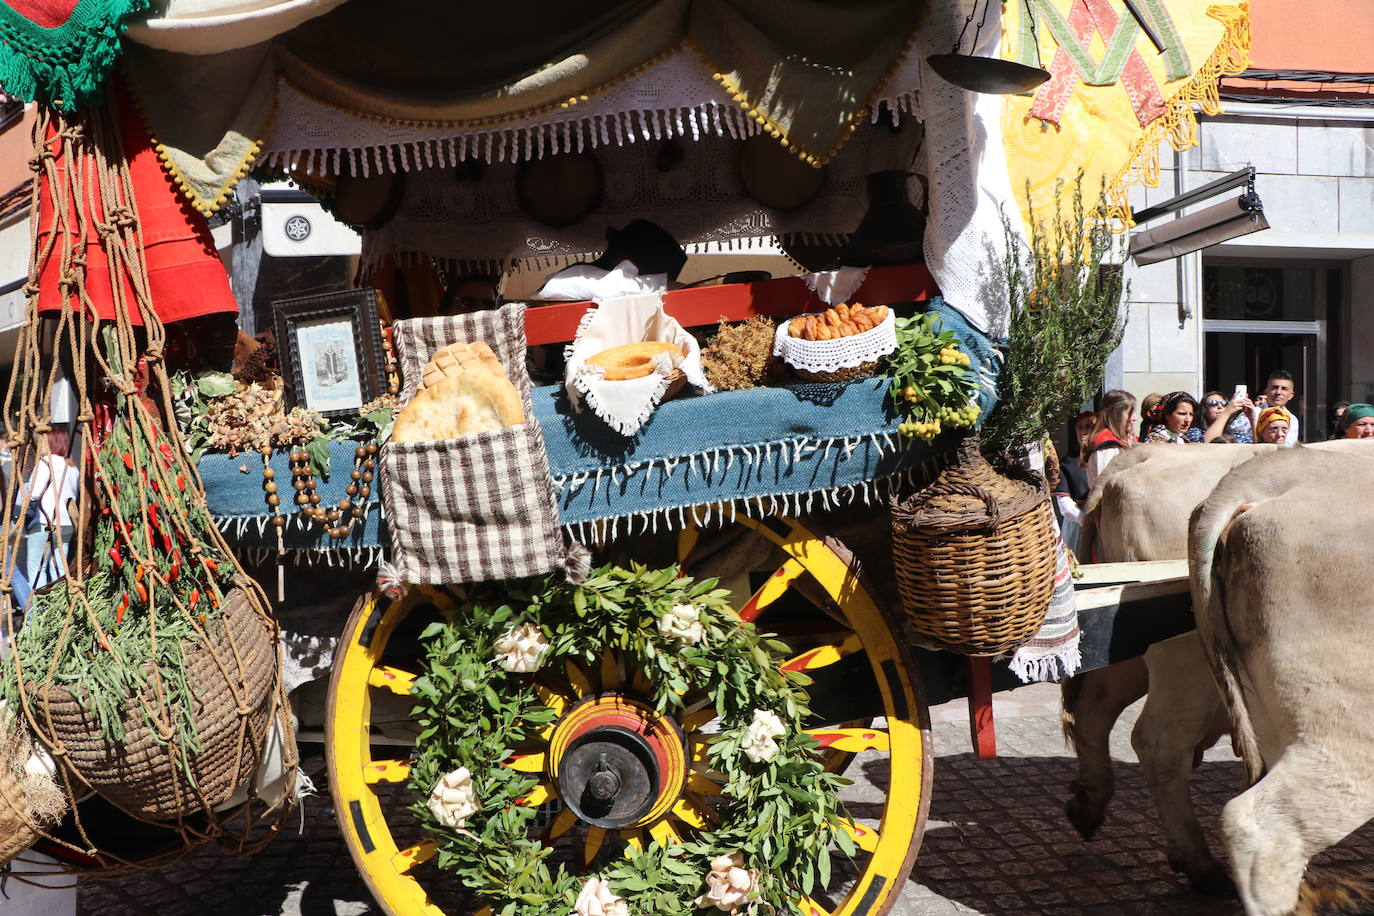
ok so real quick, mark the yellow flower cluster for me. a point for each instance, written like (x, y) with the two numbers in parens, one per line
(961, 417)
(949, 356)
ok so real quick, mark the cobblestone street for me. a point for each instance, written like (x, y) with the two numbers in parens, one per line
(996, 842)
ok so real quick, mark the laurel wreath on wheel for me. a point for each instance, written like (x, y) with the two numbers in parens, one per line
(478, 702)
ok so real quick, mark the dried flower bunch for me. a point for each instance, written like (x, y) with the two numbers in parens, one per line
(251, 419)
(741, 355)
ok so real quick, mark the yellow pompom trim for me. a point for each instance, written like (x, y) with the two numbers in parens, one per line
(1179, 124)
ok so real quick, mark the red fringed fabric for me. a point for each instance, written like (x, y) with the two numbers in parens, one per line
(186, 278)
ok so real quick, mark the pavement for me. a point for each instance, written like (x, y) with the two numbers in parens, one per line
(996, 841)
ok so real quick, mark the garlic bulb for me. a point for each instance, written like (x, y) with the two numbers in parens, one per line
(596, 899)
(758, 744)
(454, 799)
(521, 649)
(729, 885)
(682, 622)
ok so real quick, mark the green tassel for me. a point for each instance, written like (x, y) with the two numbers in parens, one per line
(66, 66)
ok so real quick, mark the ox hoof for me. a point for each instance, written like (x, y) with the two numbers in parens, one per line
(1211, 882)
(1081, 811)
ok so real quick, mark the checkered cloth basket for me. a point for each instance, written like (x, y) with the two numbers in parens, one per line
(480, 507)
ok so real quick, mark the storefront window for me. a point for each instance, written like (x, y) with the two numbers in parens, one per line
(1238, 293)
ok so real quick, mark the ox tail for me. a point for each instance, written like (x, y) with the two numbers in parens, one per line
(1207, 550)
(1069, 691)
(1328, 890)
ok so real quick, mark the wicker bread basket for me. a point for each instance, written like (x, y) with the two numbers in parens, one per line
(974, 556)
(139, 774)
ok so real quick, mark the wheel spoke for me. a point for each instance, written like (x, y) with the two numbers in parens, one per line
(386, 771)
(810, 907)
(665, 833)
(394, 679)
(852, 740)
(772, 590)
(866, 838)
(528, 763)
(578, 681)
(697, 720)
(561, 824)
(552, 699)
(821, 656)
(634, 841)
(703, 784)
(537, 796)
(694, 812)
(412, 856)
(610, 671)
(596, 838)
(699, 746)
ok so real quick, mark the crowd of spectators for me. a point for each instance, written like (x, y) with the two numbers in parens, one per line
(1179, 418)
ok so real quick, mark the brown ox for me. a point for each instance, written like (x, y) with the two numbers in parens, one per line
(1141, 505)
(1278, 555)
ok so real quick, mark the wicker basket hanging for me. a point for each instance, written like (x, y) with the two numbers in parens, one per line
(974, 554)
(232, 674)
(17, 832)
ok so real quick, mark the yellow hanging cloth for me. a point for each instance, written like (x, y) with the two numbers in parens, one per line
(1112, 98)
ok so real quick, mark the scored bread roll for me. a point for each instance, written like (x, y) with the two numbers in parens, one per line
(460, 405)
(457, 358)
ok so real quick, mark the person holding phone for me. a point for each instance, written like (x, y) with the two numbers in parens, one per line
(1233, 418)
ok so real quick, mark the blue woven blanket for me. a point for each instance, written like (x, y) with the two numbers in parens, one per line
(775, 449)
(781, 449)
(233, 490)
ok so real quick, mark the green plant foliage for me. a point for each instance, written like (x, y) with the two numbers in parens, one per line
(781, 814)
(933, 384)
(154, 590)
(1066, 320)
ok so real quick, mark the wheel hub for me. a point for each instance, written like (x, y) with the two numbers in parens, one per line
(617, 762)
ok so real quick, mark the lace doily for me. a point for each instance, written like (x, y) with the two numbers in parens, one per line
(834, 355)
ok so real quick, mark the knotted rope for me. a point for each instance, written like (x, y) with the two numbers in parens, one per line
(187, 598)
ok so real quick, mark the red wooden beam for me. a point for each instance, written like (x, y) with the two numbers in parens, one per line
(703, 305)
(982, 729)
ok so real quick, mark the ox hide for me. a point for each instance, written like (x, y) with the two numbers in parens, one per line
(1281, 603)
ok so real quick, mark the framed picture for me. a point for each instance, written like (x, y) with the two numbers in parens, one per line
(330, 348)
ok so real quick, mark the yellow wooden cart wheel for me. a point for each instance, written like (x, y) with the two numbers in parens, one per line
(860, 661)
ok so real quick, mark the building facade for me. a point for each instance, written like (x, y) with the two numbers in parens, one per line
(1298, 295)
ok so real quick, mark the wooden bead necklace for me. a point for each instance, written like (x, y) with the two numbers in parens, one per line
(337, 521)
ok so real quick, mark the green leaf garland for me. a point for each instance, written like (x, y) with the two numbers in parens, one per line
(782, 814)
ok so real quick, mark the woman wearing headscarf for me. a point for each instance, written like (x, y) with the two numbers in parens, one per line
(1273, 425)
(1357, 422)
(1171, 420)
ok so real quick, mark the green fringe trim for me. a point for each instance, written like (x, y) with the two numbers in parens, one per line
(65, 66)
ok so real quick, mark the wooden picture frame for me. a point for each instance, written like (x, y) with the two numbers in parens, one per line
(330, 349)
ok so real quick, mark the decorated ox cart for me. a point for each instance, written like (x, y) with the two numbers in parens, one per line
(621, 632)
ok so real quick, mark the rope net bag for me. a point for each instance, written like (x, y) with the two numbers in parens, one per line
(148, 670)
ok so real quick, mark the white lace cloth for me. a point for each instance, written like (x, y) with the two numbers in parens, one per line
(967, 168)
(626, 405)
(477, 225)
(833, 355)
(836, 286)
(674, 97)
